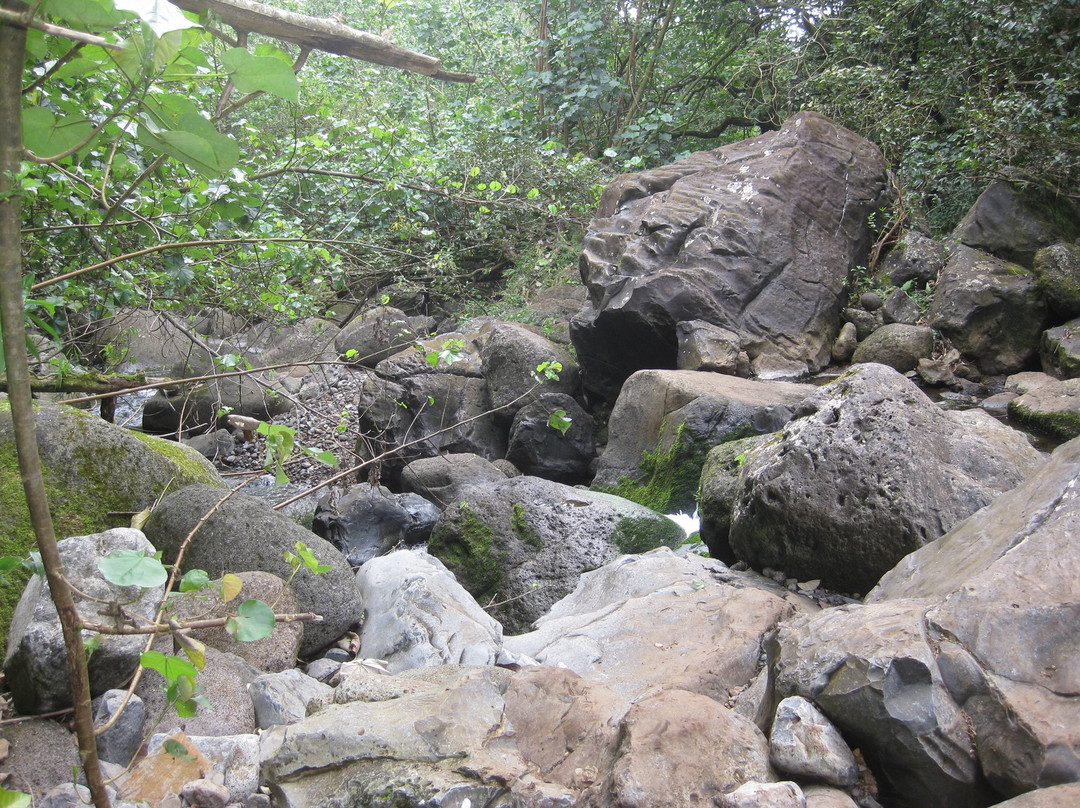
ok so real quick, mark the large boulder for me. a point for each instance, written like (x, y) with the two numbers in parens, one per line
(991, 309)
(1014, 225)
(524, 542)
(419, 615)
(869, 470)
(375, 335)
(915, 259)
(873, 672)
(442, 746)
(92, 470)
(445, 478)
(1057, 270)
(510, 358)
(242, 533)
(369, 521)
(757, 237)
(664, 621)
(660, 762)
(1006, 594)
(1059, 350)
(1052, 408)
(666, 421)
(35, 666)
(537, 448)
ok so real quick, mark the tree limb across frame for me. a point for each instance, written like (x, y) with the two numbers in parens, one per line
(321, 33)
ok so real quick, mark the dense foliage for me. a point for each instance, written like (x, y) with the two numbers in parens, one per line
(360, 180)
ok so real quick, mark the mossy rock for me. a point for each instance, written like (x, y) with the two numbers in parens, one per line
(519, 545)
(1053, 409)
(92, 469)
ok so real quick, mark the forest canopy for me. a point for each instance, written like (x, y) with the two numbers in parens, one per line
(240, 171)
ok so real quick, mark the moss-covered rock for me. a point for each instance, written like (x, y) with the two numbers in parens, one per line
(96, 474)
(666, 421)
(521, 544)
(1052, 408)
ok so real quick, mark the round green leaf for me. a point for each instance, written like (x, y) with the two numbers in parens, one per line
(254, 620)
(267, 73)
(45, 134)
(133, 568)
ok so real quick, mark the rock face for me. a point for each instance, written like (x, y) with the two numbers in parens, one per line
(243, 534)
(1006, 610)
(873, 673)
(869, 470)
(538, 449)
(1006, 223)
(756, 237)
(897, 345)
(445, 478)
(992, 310)
(419, 615)
(36, 662)
(665, 422)
(1057, 269)
(525, 542)
(660, 620)
(1053, 408)
(369, 521)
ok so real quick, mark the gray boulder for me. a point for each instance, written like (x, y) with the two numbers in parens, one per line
(425, 415)
(665, 422)
(286, 697)
(869, 470)
(710, 239)
(718, 491)
(872, 671)
(633, 625)
(202, 407)
(35, 666)
(510, 357)
(431, 748)
(1057, 271)
(234, 760)
(1052, 408)
(704, 346)
(1053, 797)
(369, 521)
(419, 615)
(659, 759)
(539, 449)
(991, 310)
(444, 479)
(915, 258)
(805, 744)
(276, 652)
(523, 542)
(1059, 350)
(243, 533)
(375, 335)
(897, 345)
(119, 743)
(900, 308)
(1000, 581)
(1007, 222)
(753, 794)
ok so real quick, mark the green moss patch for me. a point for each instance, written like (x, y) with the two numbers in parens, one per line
(643, 533)
(1062, 424)
(522, 529)
(671, 477)
(465, 545)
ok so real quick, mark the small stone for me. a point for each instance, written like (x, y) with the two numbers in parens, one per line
(804, 743)
(871, 301)
(763, 795)
(205, 794)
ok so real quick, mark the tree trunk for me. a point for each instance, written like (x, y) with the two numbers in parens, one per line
(12, 52)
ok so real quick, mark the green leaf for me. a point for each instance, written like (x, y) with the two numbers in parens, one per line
(171, 667)
(560, 420)
(254, 620)
(133, 568)
(160, 15)
(194, 580)
(45, 134)
(178, 750)
(194, 142)
(87, 14)
(267, 73)
(14, 799)
(308, 559)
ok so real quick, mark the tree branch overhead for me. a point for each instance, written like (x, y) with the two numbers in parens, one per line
(320, 33)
